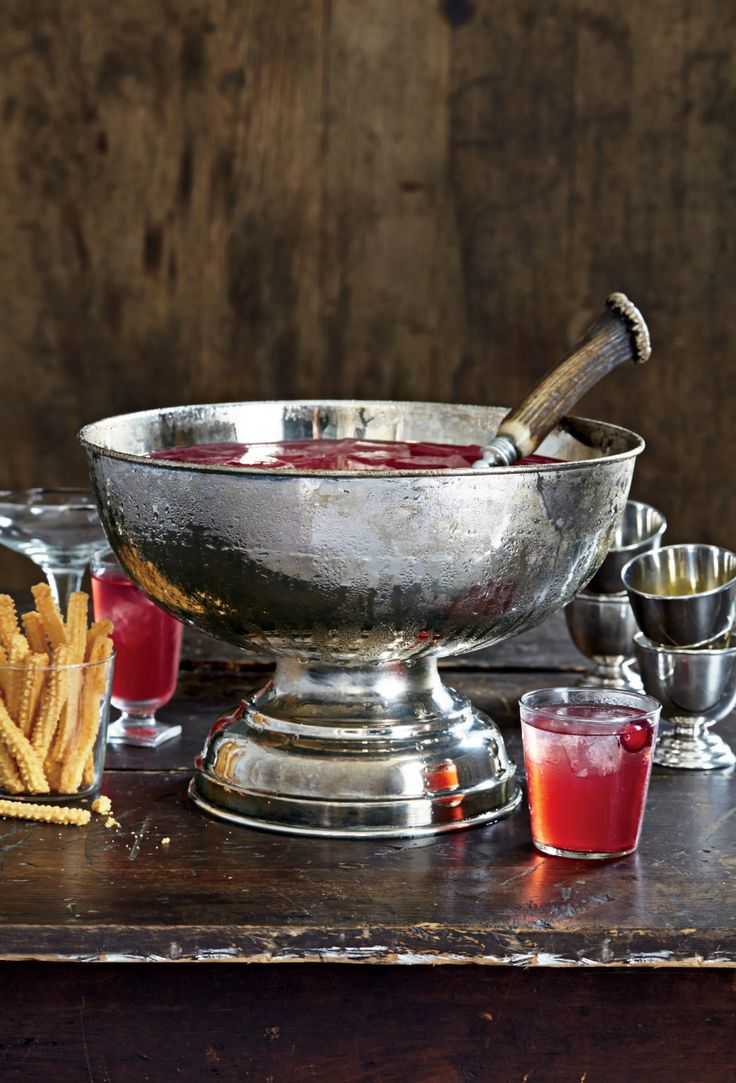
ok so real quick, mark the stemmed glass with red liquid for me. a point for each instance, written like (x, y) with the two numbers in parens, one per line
(147, 648)
(588, 755)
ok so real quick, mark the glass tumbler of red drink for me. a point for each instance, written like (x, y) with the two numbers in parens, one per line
(588, 755)
(147, 648)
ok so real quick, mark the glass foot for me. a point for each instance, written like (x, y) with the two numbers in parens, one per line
(144, 732)
(583, 855)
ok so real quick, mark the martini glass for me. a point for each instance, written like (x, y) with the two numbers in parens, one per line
(59, 529)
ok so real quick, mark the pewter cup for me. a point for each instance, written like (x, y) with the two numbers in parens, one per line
(696, 688)
(640, 530)
(357, 582)
(683, 595)
(602, 627)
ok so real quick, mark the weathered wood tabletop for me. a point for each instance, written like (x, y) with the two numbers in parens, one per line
(550, 928)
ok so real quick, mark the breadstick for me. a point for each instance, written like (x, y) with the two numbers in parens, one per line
(52, 770)
(95, 680)
(99, 630)
(76, 640)
(29, 763)
(76, 626)
(9, 626)
(4, 673)
(88, 775)
(19, 649)
(54, 698)
(9, 774)
(17, 656)
(50, 814)
(66, 730)
(67, 725)
(33, 680)
(33, 627)
(49, 613)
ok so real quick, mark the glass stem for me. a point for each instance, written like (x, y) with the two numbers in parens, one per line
(63, 581)
(127, 718)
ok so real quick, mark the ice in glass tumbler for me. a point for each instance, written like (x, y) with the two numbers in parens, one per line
(588, 755)
(147, 647)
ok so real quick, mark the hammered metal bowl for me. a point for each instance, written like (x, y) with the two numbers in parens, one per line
(357, 582)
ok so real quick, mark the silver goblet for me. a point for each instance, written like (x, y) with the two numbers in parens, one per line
(357, 582)
(602, 627)
(600, 620)
(640, 531)
(683, 595)
(697, 688)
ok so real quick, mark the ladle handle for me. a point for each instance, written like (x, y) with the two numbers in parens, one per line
(619, 334)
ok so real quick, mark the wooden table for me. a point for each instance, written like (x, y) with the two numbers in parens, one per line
(466, 957)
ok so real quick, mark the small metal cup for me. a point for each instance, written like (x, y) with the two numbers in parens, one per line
(683, 595)
(696, 688)
(602, 627)
(640, 531)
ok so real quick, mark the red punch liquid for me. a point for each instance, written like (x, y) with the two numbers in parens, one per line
(147, 642)
(587, 782)
(335, 455)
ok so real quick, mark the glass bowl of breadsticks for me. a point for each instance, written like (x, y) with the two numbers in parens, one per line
(55, 681)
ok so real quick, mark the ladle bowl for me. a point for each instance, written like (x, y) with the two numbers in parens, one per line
(357, 582)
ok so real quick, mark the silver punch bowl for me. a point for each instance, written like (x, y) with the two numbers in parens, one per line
(356, 582)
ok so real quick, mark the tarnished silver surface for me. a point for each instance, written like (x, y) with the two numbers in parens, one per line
(641, 529)
(357, 579)
(602, 627)
(696, 688)
(683, 595)
(600, 620)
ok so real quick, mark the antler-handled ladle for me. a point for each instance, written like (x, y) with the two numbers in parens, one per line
(619, 334)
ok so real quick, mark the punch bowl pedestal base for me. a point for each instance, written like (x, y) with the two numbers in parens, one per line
(388, 751)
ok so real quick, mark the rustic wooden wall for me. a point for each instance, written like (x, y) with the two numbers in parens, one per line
(222, 199)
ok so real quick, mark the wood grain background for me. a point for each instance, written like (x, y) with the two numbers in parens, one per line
(221, 199)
